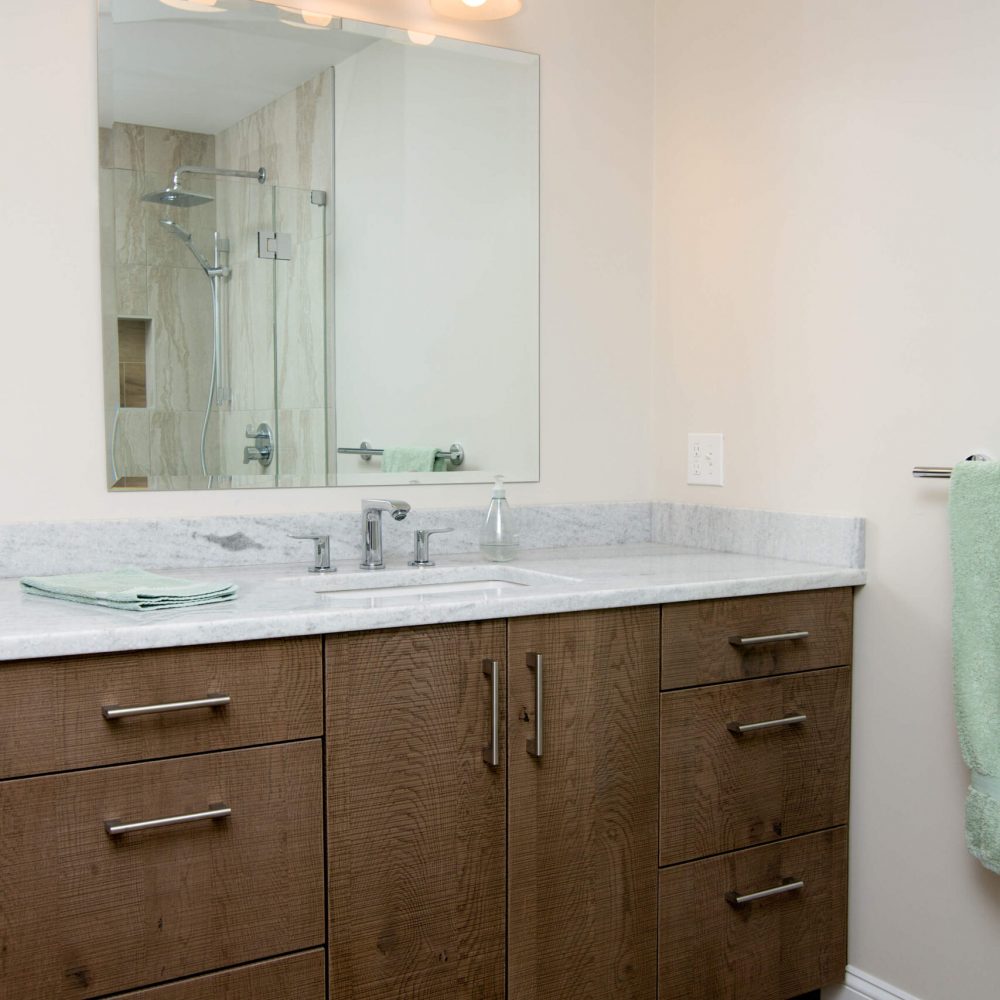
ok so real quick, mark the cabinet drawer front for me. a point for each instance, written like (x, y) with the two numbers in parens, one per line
(721, 790)
(52, 712)
(768, 949)
(707, 642)
(85, 913)
(302, 977)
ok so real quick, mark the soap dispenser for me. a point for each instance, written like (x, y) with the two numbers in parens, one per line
(497, 539)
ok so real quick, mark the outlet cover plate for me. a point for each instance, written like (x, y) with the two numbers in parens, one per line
(705, 460)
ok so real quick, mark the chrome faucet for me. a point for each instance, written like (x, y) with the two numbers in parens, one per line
(371, 528)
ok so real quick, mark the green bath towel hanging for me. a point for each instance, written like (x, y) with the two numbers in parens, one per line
(974, 515)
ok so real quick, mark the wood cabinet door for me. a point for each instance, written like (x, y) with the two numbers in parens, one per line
(582, 847)
(416, 824)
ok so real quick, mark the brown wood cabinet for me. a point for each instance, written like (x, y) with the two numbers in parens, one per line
(426, 835)
(119, 877)
(758, 753)
(541, 808)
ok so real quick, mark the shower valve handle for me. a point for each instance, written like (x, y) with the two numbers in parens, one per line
(262, 450)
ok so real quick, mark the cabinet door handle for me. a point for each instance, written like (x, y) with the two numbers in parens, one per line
(115, 827)
(752, 727)
(491, 752)
(112, 712)
(787, 885)
(534, 662)
(759, 640)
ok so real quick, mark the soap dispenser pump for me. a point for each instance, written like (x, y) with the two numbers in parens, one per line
(497, 539)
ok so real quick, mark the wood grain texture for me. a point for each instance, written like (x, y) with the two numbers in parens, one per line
(295, 977)
(770, 949)
(83, 914)
(696, 648)
(582, 826)
(720, 791)
(417, 819)
(50, 710)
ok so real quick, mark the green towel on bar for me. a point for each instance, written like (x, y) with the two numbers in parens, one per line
(974, 514)
(129, 589)
(412, 460)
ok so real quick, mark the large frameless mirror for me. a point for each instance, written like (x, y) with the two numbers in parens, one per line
(319, 250)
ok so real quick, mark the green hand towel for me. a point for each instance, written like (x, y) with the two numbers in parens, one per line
(412, 460)
(129, 589)
(974, 515)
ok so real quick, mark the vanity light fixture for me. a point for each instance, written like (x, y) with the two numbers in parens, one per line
(476, 10)
(420, 37)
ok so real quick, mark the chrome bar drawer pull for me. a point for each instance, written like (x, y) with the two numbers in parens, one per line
(112, 712)
(752, 727)
(534, 662)
(787, 885)
(115, 827)
(491, 752)
(760, 640)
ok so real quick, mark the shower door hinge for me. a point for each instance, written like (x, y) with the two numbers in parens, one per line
(274, 246)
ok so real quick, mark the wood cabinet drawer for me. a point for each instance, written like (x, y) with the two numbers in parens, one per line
(294, 977)
(721, 790)
(85, 913)
(51, 710)
(699, 637)
(769, 949)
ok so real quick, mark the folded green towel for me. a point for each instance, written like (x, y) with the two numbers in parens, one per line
(974, 514)
(129, 589)
(412, 460)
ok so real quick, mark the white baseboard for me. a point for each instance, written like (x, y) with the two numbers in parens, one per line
(860, 985)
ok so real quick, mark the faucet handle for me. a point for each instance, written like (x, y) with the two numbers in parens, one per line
(322, 561)
(422, 545)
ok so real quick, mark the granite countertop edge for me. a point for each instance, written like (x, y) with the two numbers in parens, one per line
(282, 600)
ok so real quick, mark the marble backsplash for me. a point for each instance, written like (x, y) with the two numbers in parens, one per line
(67, 547)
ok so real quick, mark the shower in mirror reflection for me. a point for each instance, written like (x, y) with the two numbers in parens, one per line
(216, 272)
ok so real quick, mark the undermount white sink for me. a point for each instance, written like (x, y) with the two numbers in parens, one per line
(475, 590)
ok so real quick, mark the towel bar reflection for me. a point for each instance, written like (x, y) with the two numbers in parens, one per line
(941, 471)
(455, 454)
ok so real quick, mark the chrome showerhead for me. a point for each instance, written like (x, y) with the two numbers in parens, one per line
(173, 195)
(185, 237)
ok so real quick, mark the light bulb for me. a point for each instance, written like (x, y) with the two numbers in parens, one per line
(476, 10)
(420, 37)
(316, 20)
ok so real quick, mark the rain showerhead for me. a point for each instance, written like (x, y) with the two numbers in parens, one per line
(175, 196)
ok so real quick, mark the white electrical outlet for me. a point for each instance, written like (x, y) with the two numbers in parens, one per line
(705, 459)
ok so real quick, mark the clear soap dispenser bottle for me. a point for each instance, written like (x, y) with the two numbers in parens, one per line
(497, 539)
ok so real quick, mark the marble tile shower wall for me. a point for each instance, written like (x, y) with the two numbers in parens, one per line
(278, 321)
(153, 277)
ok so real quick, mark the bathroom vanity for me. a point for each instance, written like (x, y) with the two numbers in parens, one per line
(646, 799)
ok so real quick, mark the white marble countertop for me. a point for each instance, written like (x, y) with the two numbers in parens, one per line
(283, 600)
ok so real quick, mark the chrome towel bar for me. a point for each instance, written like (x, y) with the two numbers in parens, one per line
(942, 471)
(455, 454)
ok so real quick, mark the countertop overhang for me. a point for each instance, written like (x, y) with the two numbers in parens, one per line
(282, 600)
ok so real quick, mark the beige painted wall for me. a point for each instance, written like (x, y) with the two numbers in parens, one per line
(595, 314)
(827, 210)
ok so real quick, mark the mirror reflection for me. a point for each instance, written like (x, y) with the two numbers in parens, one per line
(319, 251)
